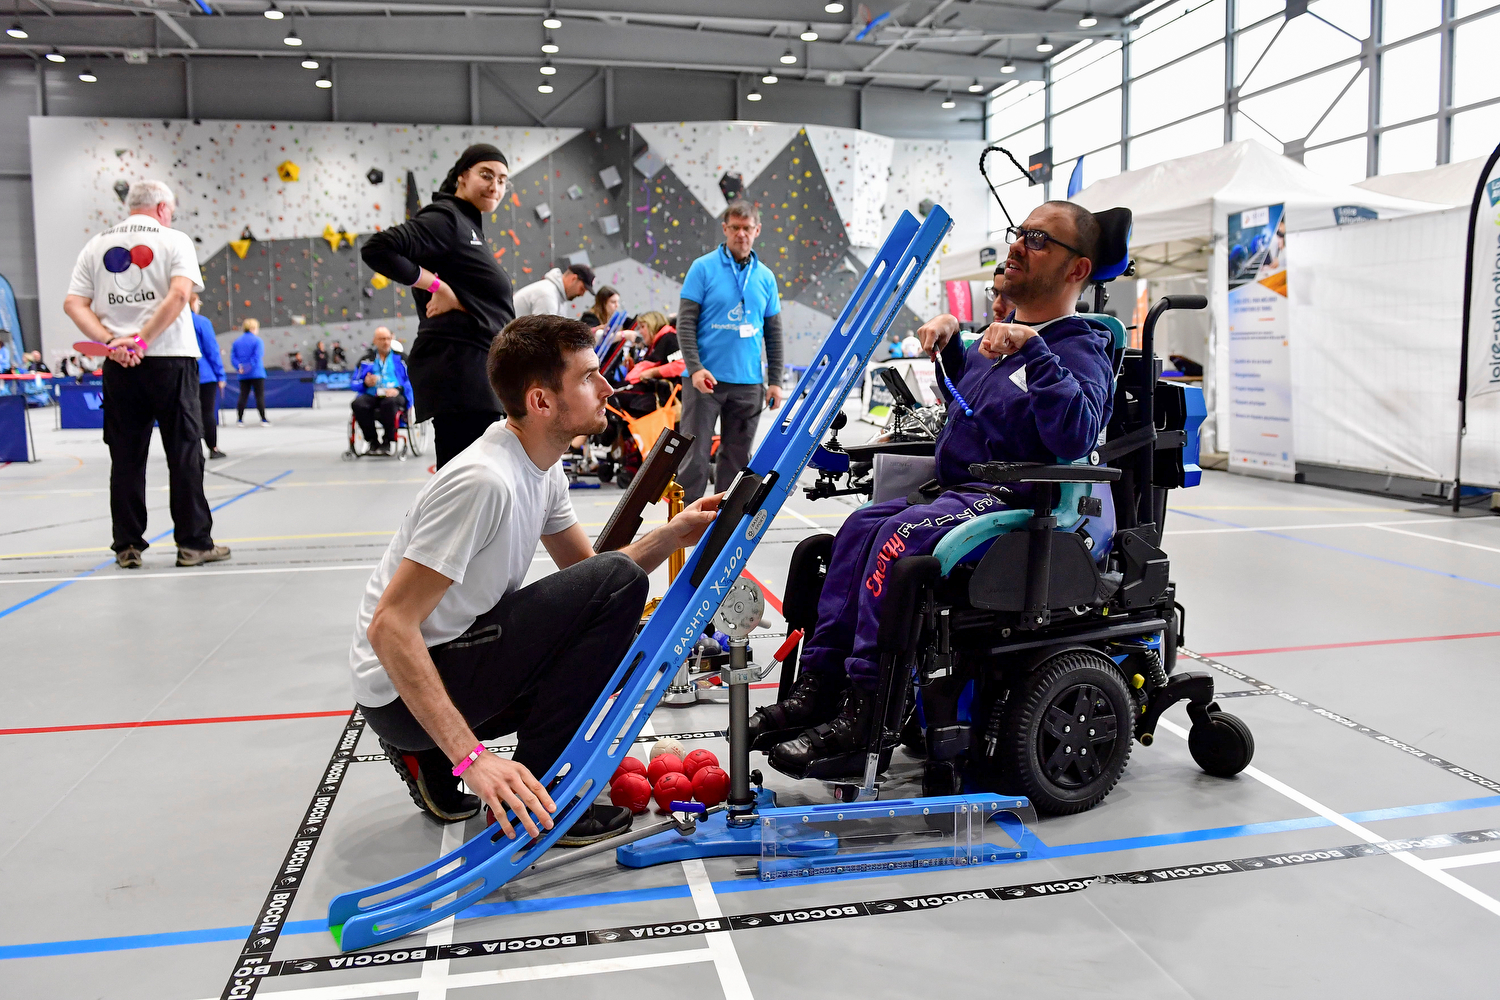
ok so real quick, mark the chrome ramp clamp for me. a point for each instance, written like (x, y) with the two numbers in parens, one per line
(463, 877)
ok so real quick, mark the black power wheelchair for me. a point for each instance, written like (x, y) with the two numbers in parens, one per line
(1028, 652)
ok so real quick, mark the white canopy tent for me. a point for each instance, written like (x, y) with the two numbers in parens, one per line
(1449, 184)
(1181, 209)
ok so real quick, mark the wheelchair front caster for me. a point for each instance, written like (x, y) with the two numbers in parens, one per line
(1223, 745)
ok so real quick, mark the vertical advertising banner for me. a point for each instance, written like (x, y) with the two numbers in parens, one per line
(1260, 357)
(1483, 315)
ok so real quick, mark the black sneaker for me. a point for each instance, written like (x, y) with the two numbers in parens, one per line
(429, 778)
(216, 453)
(813, 700)
(598, 822)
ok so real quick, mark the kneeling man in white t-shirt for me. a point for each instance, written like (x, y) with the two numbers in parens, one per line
(449, 647)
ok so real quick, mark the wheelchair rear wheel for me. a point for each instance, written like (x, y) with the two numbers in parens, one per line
(1068, 738)
(416, 436)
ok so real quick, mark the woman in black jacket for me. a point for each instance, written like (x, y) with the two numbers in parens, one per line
(462, 310)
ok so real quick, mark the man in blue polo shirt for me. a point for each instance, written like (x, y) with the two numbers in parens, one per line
(383, 391)
(729, 315)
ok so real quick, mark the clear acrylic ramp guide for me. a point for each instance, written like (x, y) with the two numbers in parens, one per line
(465, 876)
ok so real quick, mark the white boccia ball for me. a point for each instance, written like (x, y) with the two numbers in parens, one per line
(667, 745)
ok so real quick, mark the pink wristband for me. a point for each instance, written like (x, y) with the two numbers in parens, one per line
(432, 288)
(139, 340)
(463, 765)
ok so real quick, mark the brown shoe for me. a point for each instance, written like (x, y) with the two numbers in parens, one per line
(197, 557)
(128, 558)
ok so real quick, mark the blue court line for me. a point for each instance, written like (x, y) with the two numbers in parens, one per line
(110, 562)
(212, 934)
(1337, 548)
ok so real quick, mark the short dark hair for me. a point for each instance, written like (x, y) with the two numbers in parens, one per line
(1088, 230)
(744, 209)
(533, 350)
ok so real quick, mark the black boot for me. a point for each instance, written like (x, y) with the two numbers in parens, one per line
(815, 699)
(430, 781)
(834, 749)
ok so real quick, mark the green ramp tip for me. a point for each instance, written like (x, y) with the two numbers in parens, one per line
(337, 930)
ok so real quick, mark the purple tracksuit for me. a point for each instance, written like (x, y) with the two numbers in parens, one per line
(1047, 402)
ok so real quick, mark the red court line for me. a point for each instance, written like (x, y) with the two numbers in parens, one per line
(174, 722)
(771, 598)
(1351, 645)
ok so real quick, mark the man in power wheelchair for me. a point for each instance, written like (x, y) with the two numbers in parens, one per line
(382, 390)
(1038, 633)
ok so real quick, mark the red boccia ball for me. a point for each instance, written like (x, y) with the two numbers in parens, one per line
(673, 786)
(662, 764)
(632, 791)
(141, 255)
(629, 765)
(698, 759)
(711, 785)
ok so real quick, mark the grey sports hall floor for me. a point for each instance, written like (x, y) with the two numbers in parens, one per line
(162, 733)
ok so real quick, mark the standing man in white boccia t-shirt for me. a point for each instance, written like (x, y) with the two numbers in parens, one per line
(130, 290)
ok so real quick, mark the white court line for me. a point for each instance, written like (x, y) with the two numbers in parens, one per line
(494, 977)
(187, 574)
(1433, 538)
(802, 517)
(1299, 527)
(1466, 860)
(1422, 865)
(435, 973)
(720, 945)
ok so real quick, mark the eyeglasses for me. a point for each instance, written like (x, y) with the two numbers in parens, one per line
(745, 228)
(1037, 240)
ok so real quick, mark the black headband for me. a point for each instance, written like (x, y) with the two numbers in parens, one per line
(480, 152)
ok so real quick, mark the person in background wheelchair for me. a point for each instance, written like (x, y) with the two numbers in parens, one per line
(383, 391)
(1038, 389)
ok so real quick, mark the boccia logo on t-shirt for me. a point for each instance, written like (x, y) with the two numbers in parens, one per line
(129, 269)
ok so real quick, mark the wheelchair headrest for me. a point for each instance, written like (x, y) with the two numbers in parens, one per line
(1114, 244)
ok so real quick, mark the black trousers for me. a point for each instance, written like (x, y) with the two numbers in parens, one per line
(208, 406)
(455, 430)
(367, 408)
(163, 390)
(507, 675)
(259, 385)
(735, 407)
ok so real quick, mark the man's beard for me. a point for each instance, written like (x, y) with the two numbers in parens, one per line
(1031, 287)
(577, 421)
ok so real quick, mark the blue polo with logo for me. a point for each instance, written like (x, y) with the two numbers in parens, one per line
(734, 302)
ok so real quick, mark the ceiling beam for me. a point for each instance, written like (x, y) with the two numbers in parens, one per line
(177, 29)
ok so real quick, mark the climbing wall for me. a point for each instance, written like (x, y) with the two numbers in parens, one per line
(638, 203)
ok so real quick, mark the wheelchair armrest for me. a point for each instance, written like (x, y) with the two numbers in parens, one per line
(1036, 472)
(867, 452)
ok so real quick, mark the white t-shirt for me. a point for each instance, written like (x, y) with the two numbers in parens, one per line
(477, 522)
(128, 269)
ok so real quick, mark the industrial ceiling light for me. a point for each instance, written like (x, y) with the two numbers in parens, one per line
(544, 88)
(324, 82)
(552, 22)
(949, 103)
(549, 46)
(273, 13)
(1088, 20)
(56, 56)
(754, 94)
(292, 38)
(788, 57)
(976, 87)
(834, 7)
(309, 64)
(1044, 45)
(1009, 67)
(808, 34)
(769, 78)
(548, 69)
(16, 31)
(87, 76)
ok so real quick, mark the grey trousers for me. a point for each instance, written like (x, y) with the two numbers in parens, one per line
(735, 407)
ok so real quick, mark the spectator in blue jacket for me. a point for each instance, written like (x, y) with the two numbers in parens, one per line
(248, 358)
(210, 377)
(383, 390)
